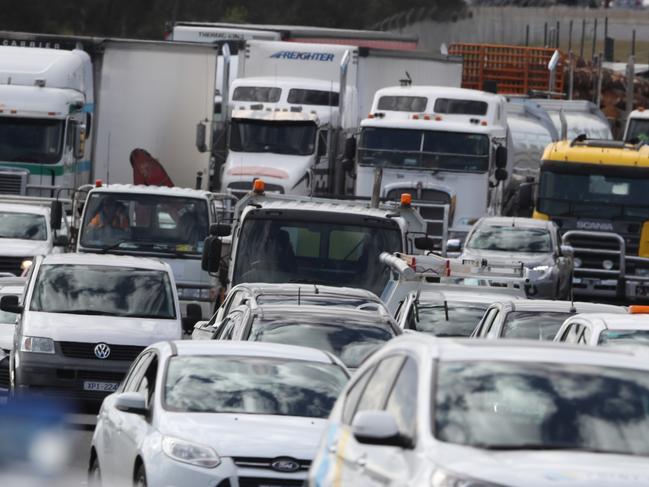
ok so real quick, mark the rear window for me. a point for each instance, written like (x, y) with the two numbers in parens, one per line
(313, 97)
(533, 325)
(265, 94)
(403, 103)
(460, 107)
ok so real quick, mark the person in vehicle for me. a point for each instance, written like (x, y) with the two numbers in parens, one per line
(112, 214)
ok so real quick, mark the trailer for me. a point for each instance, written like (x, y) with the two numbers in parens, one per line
(580, 117)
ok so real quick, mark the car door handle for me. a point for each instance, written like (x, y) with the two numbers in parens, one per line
(361, 461)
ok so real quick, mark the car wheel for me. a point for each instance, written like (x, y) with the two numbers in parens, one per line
(140, 477)
(94, 474)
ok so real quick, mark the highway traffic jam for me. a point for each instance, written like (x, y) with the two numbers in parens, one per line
(274, 256)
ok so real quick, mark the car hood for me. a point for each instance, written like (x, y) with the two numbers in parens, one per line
(14, 247)
(91, 329)
(497, 257)
(266, 436)
(546, 468)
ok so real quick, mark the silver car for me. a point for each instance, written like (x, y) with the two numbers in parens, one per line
(534, 244)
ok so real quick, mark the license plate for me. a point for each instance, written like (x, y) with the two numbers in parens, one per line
(100, 386)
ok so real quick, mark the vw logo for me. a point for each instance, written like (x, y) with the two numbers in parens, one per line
(285, 465)
(102, 351)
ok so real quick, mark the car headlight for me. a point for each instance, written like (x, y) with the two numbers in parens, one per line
(443, 478)
(37, 345)
(191, 453)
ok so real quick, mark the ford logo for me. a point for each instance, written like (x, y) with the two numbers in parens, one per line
(285, 465)
(102, 351)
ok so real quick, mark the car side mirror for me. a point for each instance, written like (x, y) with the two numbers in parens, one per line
(567, 250)
(201, 137)
(501, 157)
(211, 260)
(131, 402)
(11, 304)
(425, 243)
(56, 215)
(220, 230)
(378, 428)
(454, 245)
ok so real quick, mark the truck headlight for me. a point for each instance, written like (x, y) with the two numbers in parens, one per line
(191, 453)
(542, 271)
(443, 478)
(196, 294)
(37, 345)
(26, 264)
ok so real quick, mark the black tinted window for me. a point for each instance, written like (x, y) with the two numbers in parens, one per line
(403, 103)
(460, 107)
(313, 97)
(533, 325)
(262, 94)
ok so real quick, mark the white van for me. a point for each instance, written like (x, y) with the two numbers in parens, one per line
(85, 318)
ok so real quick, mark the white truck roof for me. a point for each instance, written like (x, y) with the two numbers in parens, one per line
(18, 208)
(423, 124)
(106, 260)
(32, 101)
(53, 67)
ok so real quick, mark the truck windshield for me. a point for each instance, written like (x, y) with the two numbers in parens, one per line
(103, 290)
(31, 140)
(24, 226)
(594, 192)
(152, 223)
(313, 251)
(416, 149)
(638, 130)
(291, 138)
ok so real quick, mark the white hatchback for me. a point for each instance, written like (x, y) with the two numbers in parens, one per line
(426, 411)
(216, 414)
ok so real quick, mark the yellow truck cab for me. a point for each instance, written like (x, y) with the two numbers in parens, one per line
(597, 191)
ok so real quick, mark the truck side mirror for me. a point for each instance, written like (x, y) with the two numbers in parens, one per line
(79, 142)
(201, 137)
(220, 230)
(349, 152)
(10, 303)
(56, 215)
(211, 259)
(501, 157)
(501, 174)
(322, 143)
(425, 243)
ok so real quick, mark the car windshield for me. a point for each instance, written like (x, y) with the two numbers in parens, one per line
(252, 385)
(290, 138)
(506, 238)
(145, 223)
(624, 337)
(427, 149)
(350, 342)
(315, 252)
(31, 140)
(594, 192)
(318, 300)
(453, 319)
(531, 405)
(24, 226)
(535, 325)
(638, 130)
(103, 290)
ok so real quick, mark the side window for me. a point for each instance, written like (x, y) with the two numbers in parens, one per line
(571, 335)
(354, 395)
(148, 382)
(380, 384)
(402, 402)
(134, 374)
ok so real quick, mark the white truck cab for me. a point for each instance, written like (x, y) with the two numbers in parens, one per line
(46, 102)
(152, 221)
(438, 143)
(637, 126)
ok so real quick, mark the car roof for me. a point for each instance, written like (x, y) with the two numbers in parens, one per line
(245, 348)
(290, 289)
(25, 208)
(465, 349)
(619, 321)
(516, 222)
(556, 306)
(82, 258)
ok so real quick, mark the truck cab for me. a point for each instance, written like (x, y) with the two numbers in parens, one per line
(439, 143)
(149, 221)
(279, 130)
(637, 127)
(596, 192)
(46, 101)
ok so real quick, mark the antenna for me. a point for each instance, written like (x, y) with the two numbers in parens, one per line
(298, 295)
(315, 288)
(446, 309)
(407, 81)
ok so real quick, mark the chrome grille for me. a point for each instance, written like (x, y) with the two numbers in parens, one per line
(11, 264)
(260, 462)
(13, 182)
(87, 351)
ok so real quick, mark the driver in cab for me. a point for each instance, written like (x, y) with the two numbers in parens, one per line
(111, 218)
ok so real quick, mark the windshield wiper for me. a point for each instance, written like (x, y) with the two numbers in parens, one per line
(548, 447)
(80, 312)
(149, 245)
(146, 315)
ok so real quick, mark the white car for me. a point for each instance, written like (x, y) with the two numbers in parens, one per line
(425, 411)
(84, 319)
(208, 414)
(606, 329)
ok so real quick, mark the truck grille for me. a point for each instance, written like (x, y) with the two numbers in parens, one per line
(13, 182)
(98, 375)
(11, 264)
(87, 351)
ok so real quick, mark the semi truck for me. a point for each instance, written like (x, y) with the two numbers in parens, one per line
(596, 192)
(445, 145)
(72, 109)
(294, 105)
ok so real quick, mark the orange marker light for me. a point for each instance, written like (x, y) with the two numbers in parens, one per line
(415, 117)
(438, 118)
(258, 186)
(406, 199)
(637, 309)
(98, 183)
